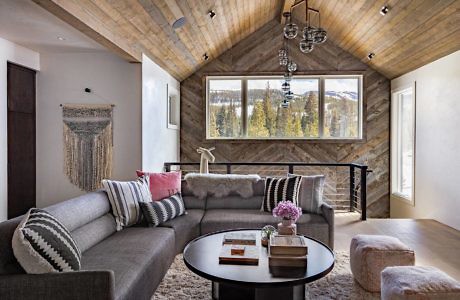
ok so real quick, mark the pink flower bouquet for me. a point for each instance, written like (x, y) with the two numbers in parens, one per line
(287, 210)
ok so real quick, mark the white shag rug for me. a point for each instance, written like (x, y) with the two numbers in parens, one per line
(181, 283)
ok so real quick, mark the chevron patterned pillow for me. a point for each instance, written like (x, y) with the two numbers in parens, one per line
(158, 212)
(41, 244)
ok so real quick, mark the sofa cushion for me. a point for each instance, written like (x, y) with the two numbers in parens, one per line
(225, 219)
(124, 198)
(8, 263)
(41, 244)
(221, 185)
(186, 227)
(138, 256)
(234, 202)
(94, 232)
(192, 202)
(76, 212)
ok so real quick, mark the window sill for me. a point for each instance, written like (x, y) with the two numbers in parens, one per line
(291, 140)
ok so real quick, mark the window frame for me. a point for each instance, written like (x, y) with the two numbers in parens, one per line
(361, 138)
(396, 144)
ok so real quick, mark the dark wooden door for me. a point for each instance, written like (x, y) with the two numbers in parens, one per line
(21, 140)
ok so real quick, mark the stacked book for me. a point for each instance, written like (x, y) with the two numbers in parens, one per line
(240, 249)
(287, 251)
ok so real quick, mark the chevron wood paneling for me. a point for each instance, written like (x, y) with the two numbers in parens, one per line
(258, 53)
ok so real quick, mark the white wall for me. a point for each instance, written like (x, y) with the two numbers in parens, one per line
(437, 161)
(62, 79)
(9, 52)
(159, 144)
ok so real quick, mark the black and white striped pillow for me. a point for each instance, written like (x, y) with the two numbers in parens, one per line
(125, 197)
(158, 212)
(41, 244)
(281, 189)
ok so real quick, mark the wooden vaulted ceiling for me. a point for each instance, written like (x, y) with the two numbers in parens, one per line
(413, 33)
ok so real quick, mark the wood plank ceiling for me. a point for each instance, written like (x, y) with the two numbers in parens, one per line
(136, 26)
(413, 33)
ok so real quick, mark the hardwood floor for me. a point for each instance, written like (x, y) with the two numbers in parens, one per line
(435, 244)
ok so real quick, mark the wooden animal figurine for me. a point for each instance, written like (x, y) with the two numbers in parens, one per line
(206, 156)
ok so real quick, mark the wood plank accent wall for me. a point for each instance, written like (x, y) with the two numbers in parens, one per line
(258, 53)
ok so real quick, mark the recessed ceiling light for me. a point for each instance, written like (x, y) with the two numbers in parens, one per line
(370, 55)
(61, 38)
(211, 14)
(205, 56)
(179, 23)
(384, 10)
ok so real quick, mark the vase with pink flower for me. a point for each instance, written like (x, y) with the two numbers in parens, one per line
(289, 214)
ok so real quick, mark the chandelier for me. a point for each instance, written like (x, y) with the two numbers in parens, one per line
(311, 35)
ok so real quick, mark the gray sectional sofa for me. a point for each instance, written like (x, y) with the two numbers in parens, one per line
(131, 263)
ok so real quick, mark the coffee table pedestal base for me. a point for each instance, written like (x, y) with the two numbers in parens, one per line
(224, 291)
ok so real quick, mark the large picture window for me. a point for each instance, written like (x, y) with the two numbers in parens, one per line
(249, 107)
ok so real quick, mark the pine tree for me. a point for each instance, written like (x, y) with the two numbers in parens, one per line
(257, 122)
(311, 118)
(296, 126)
(231, 121)
(334, 128)
(213, 132)
(284, 126)
(220, 120)
(270, 116)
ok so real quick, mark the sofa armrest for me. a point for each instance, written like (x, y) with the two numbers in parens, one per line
(68, 285)
(328, 213)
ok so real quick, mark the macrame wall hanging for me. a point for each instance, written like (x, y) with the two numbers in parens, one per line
(88, 144)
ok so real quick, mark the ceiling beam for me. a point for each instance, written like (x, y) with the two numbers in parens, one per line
(285, 7)
(78, 18)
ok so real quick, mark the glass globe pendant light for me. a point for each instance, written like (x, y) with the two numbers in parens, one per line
(289, 95)
(283, 58)
(292, 66)
(307, 43)
(306, 46)
(287, 76)
(319, 35)
(291, 29)
(285, 86)
(285, 103)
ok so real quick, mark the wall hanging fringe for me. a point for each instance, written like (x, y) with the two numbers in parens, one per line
(88, 144)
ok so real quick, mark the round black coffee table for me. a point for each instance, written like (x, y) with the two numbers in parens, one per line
(254, 282)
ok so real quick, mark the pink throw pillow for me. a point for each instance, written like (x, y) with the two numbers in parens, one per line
(163, 185)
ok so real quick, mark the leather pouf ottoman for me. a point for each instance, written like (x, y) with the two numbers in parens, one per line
(370, 254)
(418, 283)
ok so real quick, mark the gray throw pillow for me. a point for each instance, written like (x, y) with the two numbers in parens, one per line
(42, 244)
(311, 193)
